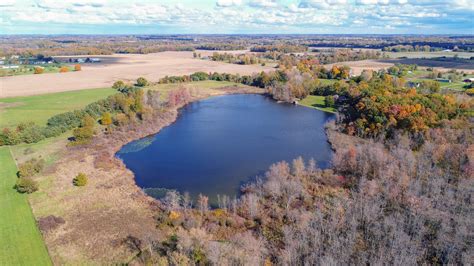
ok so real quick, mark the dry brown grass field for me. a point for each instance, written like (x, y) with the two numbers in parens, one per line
(124, 67)
(377, 64)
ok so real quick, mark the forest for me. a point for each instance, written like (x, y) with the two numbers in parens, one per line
(108, 44)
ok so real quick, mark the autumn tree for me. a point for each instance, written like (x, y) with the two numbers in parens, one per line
(85, 132)
(39, 70)
(106, 119)
(77, 67)
(63, 69)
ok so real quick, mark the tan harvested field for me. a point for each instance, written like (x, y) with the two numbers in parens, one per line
(358, 66)
(376, 64)
(124, 67)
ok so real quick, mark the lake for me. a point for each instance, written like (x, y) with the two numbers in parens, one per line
(220, 143)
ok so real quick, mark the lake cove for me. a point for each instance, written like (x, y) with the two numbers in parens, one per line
(220, 143)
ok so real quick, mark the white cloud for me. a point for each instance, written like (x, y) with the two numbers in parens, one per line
(381, 2)
(7, 3)
(227, 3)
(274, 15)
(263, 3)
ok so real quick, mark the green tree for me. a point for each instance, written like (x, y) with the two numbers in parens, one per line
(142, 82)
(119, 85)
(329, 101)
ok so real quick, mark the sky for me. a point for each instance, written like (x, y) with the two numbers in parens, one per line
(237, 17)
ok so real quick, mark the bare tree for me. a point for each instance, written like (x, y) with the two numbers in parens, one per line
(203, 203)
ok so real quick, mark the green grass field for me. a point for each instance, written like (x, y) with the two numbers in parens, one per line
(326, 82)
(20, 240)
(316, 102)
(39, 108)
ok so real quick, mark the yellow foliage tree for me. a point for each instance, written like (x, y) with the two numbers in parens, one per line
(106, 119)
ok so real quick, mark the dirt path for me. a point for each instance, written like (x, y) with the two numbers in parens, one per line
(125, 67)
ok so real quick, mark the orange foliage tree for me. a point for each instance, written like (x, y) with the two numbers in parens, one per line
(39, 70)
(64, 69)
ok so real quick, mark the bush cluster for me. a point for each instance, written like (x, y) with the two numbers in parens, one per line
(260, 80)
(30, 167)
(26, 185)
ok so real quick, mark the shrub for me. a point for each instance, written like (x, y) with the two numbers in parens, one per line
(64, 69)
(121, 119)
(30, 168)
(142, 82)
(470, 91)
(9, 137)
(39, 70)
(26, 185)
(77, 67)
(80, 180)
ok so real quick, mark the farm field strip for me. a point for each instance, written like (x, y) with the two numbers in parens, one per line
(20, 239)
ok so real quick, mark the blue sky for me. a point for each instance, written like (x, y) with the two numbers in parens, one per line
(236, 16)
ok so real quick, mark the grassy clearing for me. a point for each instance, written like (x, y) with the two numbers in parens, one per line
(39, 108)
(326, 82)
(458, 86)
(316, 102)
(20, 239)
(47, 149)
(205, 86)
(30, 70)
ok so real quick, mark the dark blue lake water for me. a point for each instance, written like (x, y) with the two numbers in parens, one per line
(220, 143)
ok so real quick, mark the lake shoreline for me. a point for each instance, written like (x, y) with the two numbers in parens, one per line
(251, 131)
(112, 190)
